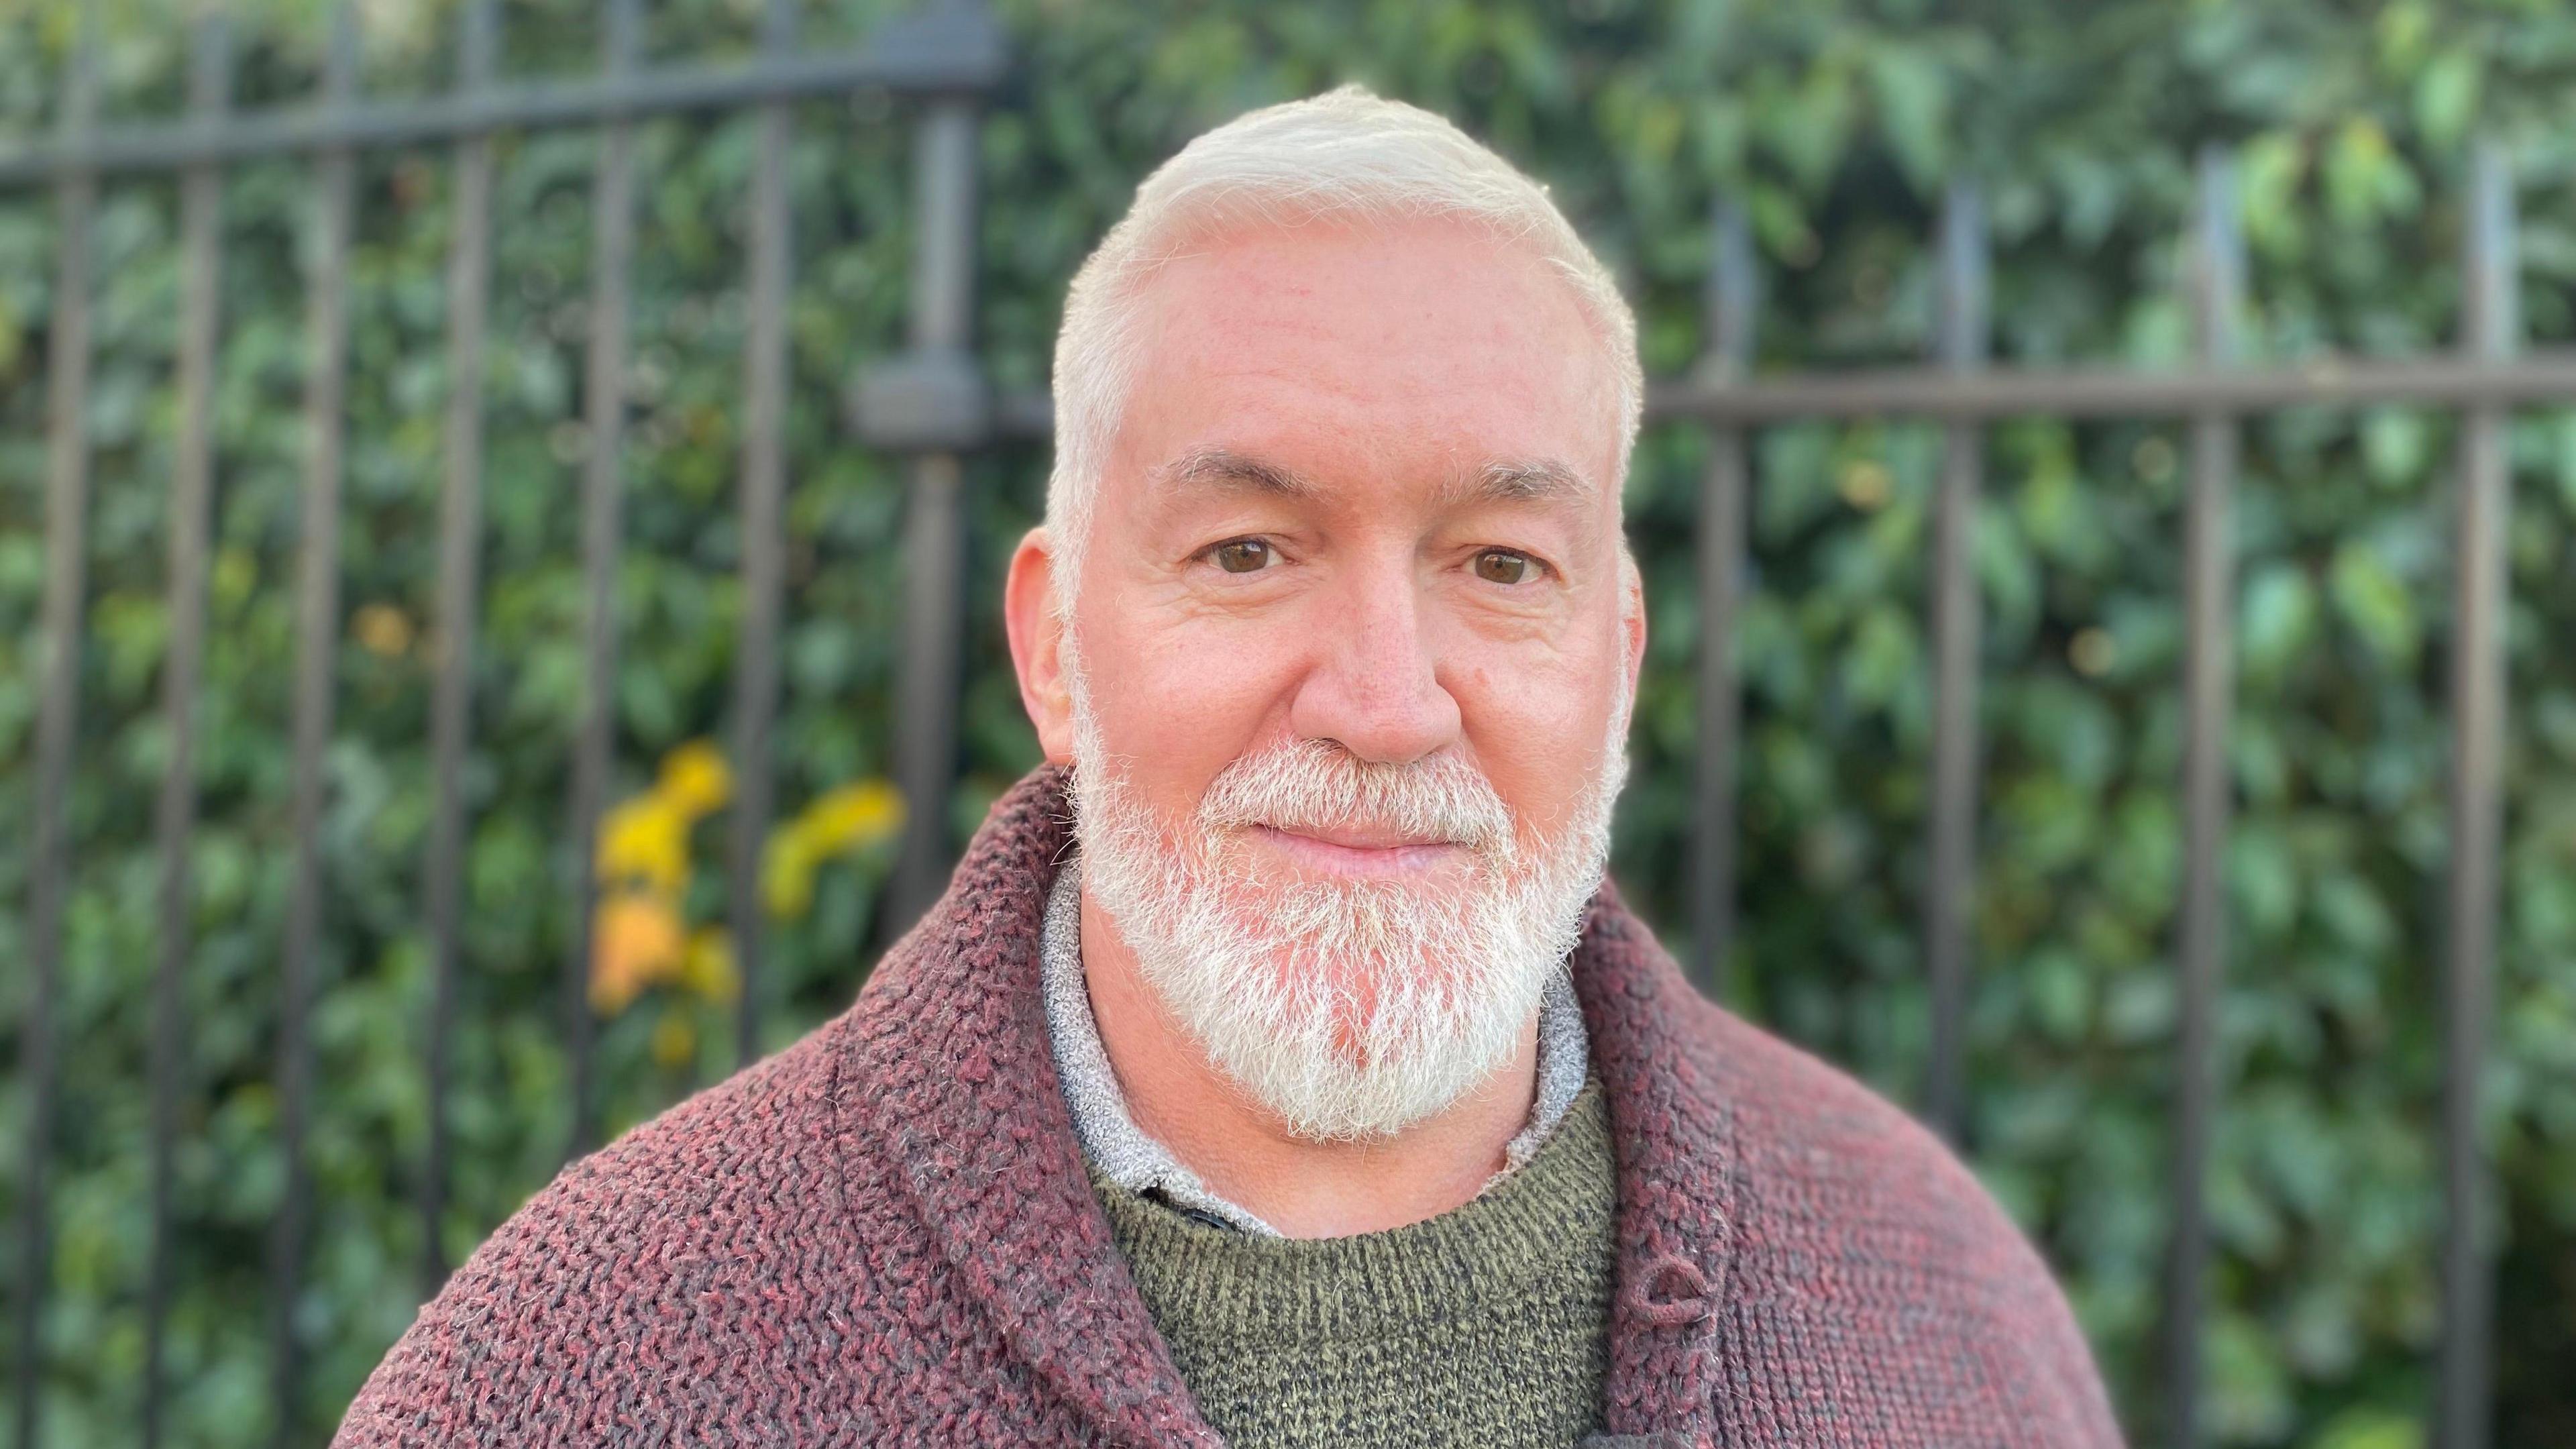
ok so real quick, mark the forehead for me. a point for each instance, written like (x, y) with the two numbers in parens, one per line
(1415, 347)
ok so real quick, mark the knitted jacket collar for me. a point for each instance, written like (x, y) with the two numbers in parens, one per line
(953, 1092)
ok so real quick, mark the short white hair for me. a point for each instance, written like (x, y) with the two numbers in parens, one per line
(1344, 154)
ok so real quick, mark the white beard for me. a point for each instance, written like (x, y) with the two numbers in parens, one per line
(1349, 1009)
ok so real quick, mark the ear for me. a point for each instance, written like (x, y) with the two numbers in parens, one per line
(1632, 618)
(1037, 643)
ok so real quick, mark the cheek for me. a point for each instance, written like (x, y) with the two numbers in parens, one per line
(1179, 702)
(1538, 720)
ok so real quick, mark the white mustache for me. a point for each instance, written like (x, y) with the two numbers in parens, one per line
(1314, 784)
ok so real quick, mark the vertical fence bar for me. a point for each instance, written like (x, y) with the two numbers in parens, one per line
(2491, 288)
(191, 501)
(764, 550)
(934, 536)
(317, 645)
(1732, 301)
(57, 716)
(612, 202)
(2217, 282)
(460, 530)
(1951, 843)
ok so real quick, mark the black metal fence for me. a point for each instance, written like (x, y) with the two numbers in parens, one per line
(931, 404)
(946, 58)
(2484, 380)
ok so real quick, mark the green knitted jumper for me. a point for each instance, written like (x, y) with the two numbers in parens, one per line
(1486, 1325)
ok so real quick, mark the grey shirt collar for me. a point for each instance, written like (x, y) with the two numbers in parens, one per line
(1125, 1154)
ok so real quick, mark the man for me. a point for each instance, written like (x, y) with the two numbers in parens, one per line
(1278, 1069)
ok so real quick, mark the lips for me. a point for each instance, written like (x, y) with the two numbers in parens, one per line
(1330, 854)
(1351, 837)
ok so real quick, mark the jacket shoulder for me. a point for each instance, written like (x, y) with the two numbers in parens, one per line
(1852, 1213)
(637, 1273)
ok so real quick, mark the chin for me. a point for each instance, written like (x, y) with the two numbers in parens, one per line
(1357, 1031)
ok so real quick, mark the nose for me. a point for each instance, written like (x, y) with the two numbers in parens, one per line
(1375, 687)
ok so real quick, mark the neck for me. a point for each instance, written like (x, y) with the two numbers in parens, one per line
(1246, 1154)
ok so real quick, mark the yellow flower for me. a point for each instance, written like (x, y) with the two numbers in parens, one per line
(855, 817)
(643, 866)
(635, 941)
(645, 841)
(851, 818)
(707, 968)
(695, 779)
(787, 874)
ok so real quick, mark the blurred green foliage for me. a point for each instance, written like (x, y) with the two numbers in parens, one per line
(1836, 123)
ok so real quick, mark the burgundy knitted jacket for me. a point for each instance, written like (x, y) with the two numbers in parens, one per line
(884, 1234)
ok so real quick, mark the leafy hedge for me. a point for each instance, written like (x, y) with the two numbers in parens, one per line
(1836, 122)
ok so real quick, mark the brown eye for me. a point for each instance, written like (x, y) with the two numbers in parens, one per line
(1501, 566)
(1243, 556)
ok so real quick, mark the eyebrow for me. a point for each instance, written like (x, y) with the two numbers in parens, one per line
(1519, 480)
(1511, 480)
(1225, 469)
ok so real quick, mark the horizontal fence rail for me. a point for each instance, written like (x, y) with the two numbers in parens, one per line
(2076, 392)
(944, 56)
(931, 403)
(2086, 392)
(949, 50)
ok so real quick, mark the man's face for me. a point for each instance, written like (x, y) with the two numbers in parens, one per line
(1357, 538)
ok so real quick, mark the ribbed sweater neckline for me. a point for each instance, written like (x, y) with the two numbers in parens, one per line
(1525, 1234)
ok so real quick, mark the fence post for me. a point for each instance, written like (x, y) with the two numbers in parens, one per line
(943, 295)
(192, 484)
(58, 715)
(317, 646)
(765, 381)
(460, 530)
(2217, 263)
(612, 203)
(2490, 327)
(1951, 841)
(1733, 298)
